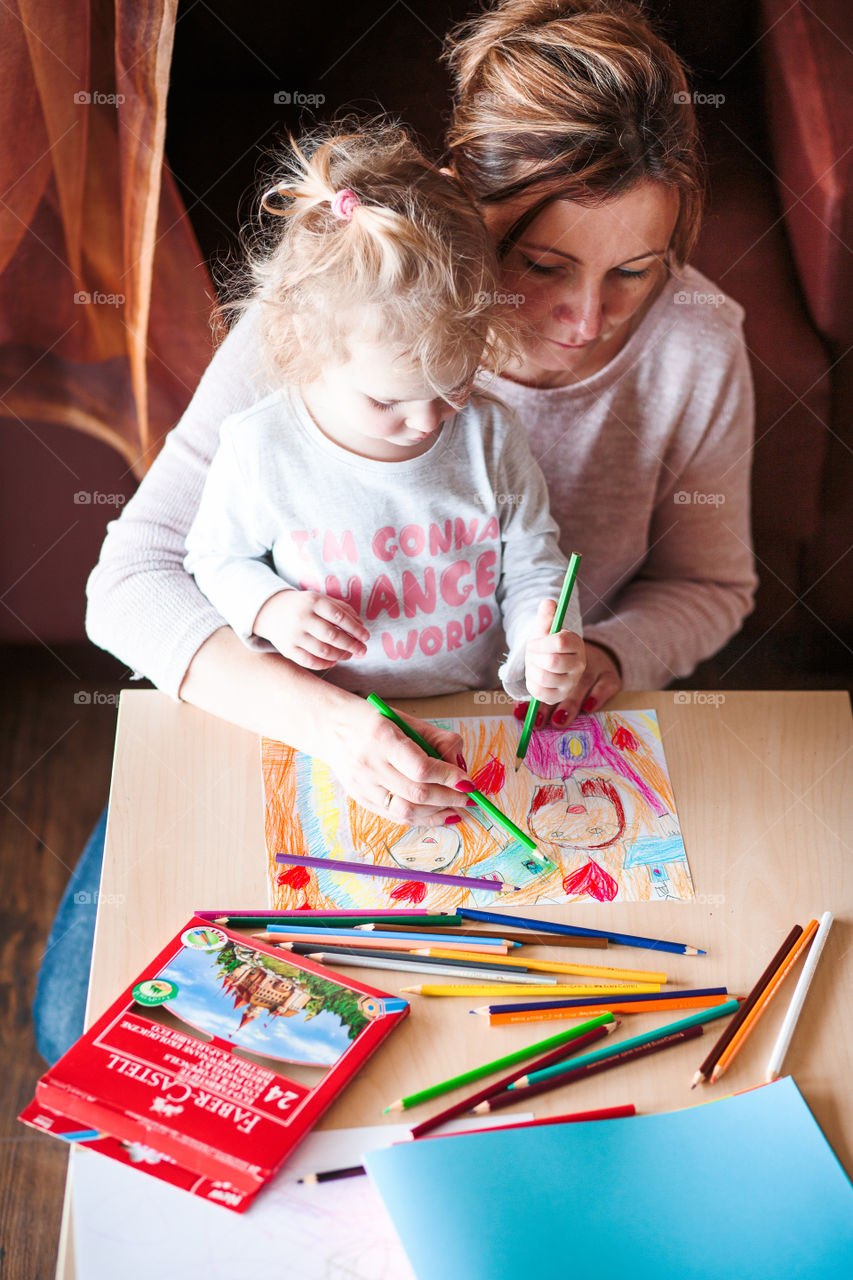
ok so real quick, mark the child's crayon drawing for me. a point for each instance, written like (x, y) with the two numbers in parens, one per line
(596, 797)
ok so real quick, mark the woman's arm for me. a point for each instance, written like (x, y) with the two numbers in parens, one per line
(696, 584)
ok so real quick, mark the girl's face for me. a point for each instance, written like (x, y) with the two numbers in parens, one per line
(585, 273)
(378, 406)
(426, 848)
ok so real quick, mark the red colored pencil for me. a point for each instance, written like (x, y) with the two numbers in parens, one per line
(497, 1086)
(604, 1113)
(511, 1096)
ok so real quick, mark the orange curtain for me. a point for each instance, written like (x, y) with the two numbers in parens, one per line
(105, 300)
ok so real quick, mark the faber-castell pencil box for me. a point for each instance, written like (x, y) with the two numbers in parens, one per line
(214, 1063)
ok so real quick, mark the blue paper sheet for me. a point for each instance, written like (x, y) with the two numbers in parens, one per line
(745, 1187)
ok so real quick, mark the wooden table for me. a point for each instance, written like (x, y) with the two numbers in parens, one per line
(764, 788)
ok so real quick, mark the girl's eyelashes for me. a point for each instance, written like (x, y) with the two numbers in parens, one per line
(382, 404)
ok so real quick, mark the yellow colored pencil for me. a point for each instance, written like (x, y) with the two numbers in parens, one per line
(803, 942)
(508, 989)
(560, 966)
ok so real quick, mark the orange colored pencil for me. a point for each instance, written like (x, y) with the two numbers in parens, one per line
(642, 1006)
(560, 966)
(802, 944)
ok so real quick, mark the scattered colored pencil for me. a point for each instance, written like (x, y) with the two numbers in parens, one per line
(491, 946)
(510, 935)
(404, 964)
(479, 970)
(393, 873)
(392, 915)
(650, 1005)
(484, 989)
(365, 942)
(575, 970)
(522, 1007)
(546, 926)
(332, 1175)
(573, 1117)
(731, 1030)
(789, 1024)
(756, 1012)
(528, 1051)
(467, 1104)
(513, 1096)
(556, 625)
(479, 799)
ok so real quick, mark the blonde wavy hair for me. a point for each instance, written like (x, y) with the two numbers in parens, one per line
(411, 265)
(572, 100)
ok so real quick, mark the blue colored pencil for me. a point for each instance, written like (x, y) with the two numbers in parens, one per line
(546, 926)
(589, 1001)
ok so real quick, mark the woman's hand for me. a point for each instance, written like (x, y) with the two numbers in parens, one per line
(311, 629)
(374, 760)
(600, 680)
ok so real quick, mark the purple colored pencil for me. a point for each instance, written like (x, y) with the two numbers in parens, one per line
(315, 913)
(393, 873)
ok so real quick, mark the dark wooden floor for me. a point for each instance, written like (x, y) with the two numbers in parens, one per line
(55, 757)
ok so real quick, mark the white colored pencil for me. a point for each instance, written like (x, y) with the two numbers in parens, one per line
(798, 999)
(426, 971)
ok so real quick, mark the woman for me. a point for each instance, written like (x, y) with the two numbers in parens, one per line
(573, 130)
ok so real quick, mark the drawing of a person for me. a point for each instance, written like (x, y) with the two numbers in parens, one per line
(426, 848)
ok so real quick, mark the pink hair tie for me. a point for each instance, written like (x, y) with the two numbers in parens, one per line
(343, 204)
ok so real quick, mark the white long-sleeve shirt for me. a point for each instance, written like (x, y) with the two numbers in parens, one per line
(434, 552)
(664, 582)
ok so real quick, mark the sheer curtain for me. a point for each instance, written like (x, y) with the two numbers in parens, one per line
(104, 297)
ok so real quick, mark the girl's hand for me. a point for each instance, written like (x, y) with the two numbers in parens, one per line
(554, 664)
(600, 681)
(312, 630)
(374, 760)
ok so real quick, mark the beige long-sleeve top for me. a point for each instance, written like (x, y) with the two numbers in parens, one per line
(647, 464)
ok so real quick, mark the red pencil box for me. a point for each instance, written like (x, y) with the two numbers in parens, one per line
(219, 1058)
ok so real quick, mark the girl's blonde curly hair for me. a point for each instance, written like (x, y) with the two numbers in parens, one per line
(411, 265)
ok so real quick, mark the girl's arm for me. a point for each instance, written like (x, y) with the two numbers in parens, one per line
(146, 609)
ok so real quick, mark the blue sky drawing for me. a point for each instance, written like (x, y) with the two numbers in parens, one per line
(202, 1001)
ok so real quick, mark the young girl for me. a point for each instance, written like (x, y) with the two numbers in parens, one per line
(373, 518)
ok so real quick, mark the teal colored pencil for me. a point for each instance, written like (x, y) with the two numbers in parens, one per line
(556, 625)
(498, 1064)
(477, 796)
(648, 1037)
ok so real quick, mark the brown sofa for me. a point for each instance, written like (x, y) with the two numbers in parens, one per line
(777, 238)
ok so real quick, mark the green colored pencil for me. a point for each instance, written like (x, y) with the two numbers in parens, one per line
(648, 1037)
(477, 796)
(476, 1073)
(556, 625)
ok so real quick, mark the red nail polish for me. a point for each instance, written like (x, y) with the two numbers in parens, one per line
(559, 718)
(460, 760)
(452, 820)
(540, 720)
(589, 705)
(465, 785)
(520, 711)
(471, 804)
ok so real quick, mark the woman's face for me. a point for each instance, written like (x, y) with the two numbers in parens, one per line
(583, 274)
